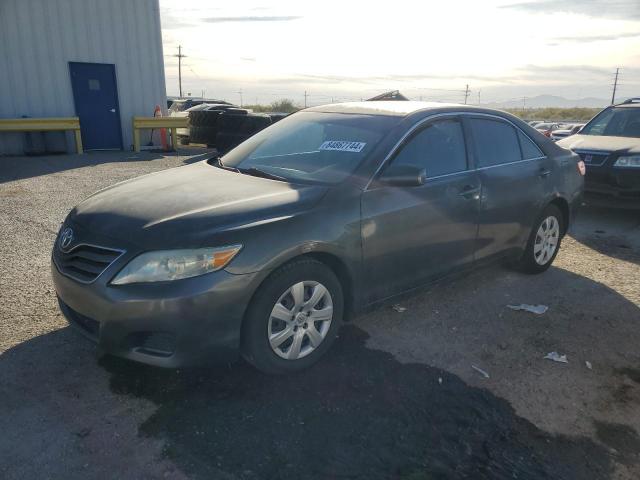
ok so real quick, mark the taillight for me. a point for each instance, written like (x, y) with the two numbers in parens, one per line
(582, 168)
(547, 133)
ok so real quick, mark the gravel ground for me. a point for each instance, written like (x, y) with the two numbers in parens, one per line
(397, 397)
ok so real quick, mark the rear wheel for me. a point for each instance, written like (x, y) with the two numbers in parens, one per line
(544, 242)
(294, 318)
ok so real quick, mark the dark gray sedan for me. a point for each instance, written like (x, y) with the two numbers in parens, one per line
(265, 251)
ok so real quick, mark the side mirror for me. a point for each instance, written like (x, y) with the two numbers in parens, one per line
(404, 176)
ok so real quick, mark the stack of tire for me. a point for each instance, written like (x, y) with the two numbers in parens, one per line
(204, 125)
(234, 127)
(276, 117)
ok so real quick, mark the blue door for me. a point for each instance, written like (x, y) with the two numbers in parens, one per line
(95, 95)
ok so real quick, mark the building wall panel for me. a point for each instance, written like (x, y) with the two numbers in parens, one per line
(38, 39)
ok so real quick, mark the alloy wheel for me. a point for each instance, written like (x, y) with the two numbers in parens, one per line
(300, 320)
(546, 242)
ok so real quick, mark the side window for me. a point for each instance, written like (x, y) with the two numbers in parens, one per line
(439, 148)
(529, 149)
(496, 142)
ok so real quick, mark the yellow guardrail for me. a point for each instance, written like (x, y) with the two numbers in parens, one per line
(43, 125)
(172, 123)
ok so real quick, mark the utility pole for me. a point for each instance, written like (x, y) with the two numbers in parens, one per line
(524, 103)
(478, 97)
(240, 93)
(305, 98)
(466, 94)
(615, 86)
(180, 57)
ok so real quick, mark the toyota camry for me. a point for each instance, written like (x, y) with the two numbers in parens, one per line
(264, 252)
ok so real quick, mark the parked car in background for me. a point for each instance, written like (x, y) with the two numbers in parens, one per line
(547, 128)
(609, 145)
(263, 251)
(533, 123)
(566, 131)
(181, 104)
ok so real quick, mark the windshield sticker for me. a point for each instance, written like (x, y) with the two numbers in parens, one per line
(343, 146)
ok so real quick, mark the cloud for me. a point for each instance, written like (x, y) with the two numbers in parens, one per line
(595, 38)
(251, 18)
(616, 9)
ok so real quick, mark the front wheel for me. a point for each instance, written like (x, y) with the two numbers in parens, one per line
(294, 317)
(544, 242)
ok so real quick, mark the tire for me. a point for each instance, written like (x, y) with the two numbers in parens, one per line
(276, 117)
(203, 135)
(236, 111)
(275, 295)
(253, 123)
(225, 141)
(229, 122)
(538, 257)
(204, 118)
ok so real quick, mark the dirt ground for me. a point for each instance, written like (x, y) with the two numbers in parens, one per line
(397, 397)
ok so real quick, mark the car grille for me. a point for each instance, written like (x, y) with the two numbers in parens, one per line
(85, 263)
(593, 158)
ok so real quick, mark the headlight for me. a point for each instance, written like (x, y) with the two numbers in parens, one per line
(164, 265)
(628, 161)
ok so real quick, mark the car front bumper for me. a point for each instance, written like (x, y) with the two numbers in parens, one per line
(613, 183)
(193, 321)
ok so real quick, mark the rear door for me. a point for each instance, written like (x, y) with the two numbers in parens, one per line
(515, 177)
(413, 234)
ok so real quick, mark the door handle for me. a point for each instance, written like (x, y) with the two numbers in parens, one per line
(113, 110)
(544, 173)
(470, 192)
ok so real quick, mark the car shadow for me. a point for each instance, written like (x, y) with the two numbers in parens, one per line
(21, 167)
(358, 413)
(612, 232)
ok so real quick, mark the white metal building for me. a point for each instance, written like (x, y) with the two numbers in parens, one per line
(100, 60)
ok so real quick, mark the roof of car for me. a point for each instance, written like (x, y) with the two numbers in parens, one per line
(628, 103)
(395, 108)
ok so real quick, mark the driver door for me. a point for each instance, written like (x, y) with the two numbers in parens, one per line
(414, 234)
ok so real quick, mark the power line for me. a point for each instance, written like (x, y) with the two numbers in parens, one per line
(180, 57)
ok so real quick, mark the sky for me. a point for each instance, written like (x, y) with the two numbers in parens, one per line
(262, 51)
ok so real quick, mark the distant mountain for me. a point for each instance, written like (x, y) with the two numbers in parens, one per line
(542, 101)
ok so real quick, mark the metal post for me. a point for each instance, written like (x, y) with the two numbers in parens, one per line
(615, 86)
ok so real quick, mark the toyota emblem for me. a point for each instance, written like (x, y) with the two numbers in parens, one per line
(66, 239)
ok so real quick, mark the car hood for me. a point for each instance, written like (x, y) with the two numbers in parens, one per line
(186, 206)
(601, 143)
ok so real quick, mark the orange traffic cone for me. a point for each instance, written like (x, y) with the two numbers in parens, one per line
(163, 131)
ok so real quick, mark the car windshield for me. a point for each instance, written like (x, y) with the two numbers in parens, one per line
(311, 147)
(615, 122)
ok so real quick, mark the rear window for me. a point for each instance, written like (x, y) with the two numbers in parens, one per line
(495, 142)
(529, 148)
